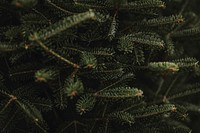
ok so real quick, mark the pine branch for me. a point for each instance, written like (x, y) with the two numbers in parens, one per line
(55, 54)
(62, 25)
(120, 93)
(177, 19)
(155, 110)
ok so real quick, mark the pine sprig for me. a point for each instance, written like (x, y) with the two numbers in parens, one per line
(127, 43)
(192, 32)
(137, 5)
(163, 66)
(190, 90)
(64, 24)
(174, 19)
(124, 117)
(85, 104)
(186, 62)
(73, 87)
(155, 110)
(113, 27)
(8, 47)
(120, 93)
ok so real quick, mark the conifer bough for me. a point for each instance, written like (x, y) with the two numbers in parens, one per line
(163, 66)
(64, 24)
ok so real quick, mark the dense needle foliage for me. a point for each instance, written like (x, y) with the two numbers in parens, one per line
(99, 66)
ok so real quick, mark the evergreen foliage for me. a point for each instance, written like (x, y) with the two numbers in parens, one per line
(99, 66)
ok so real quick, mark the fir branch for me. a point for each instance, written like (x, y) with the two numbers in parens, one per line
(126, 43)
(155, 110)
(183, 94)
(124, 117)
(62, 25)
(185, 33)
(177, 19)
(113, 27)
(41, 44)
(138, 5)
(120, 93)
(85, 104)
(122, 79)
(8, 47)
